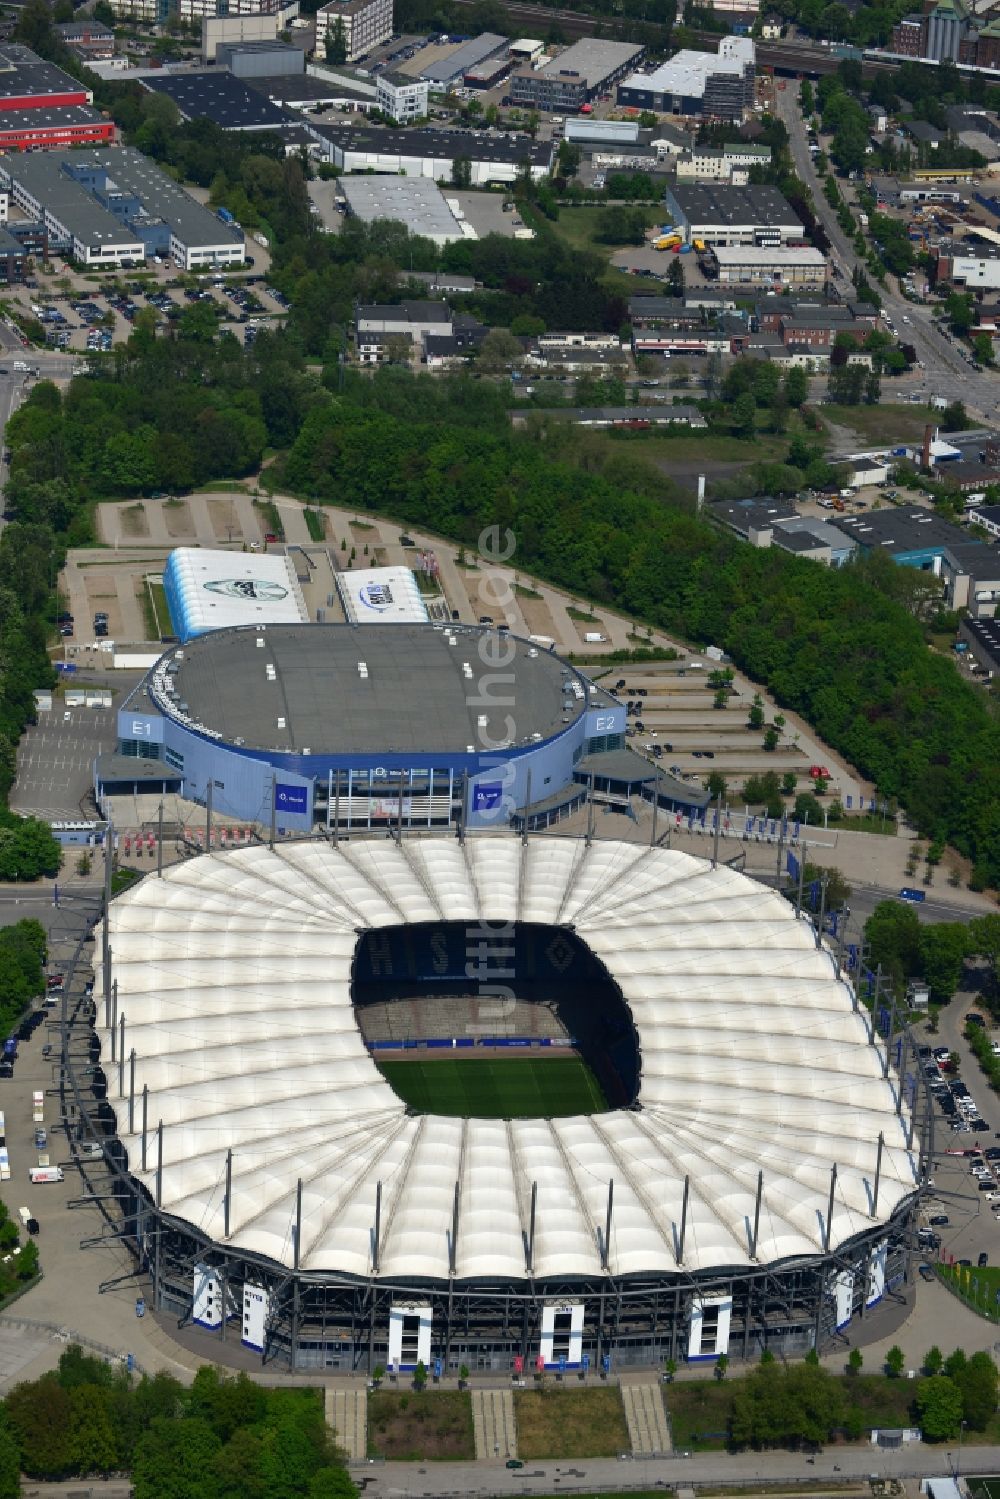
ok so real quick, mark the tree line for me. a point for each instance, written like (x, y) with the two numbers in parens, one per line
(221, 1438)
(830, 643)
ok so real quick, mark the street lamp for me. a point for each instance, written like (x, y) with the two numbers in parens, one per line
(961, 1434)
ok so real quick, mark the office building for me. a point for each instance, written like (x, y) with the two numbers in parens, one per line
(402, 98)
(364, 25)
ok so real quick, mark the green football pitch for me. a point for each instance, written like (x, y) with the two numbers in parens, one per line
(497, 1088)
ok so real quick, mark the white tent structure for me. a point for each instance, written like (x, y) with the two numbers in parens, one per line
(233, 974)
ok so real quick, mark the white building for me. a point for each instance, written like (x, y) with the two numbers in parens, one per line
(792, 265)
(366, 24)
(403, 99)
(729, 163)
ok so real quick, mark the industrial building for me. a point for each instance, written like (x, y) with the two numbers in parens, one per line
(416, 202)
(969, 272)
(260, 59)
(279, 1192)
(450, 69)
(725, 215)
(105, 208)
(969, 570)
(364, 24)
(43, 108)
(217, 96)
(714, 85)
(432, 153)
(576, 76)
(216, 29)
(767, 522)
(787, 265)
(347, 716)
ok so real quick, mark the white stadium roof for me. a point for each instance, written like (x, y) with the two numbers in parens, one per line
(234, 971)
(210, 590)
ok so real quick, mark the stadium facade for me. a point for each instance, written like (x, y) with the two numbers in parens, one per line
(365, 725)
(752, 1186)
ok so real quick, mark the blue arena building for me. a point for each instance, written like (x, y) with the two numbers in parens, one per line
(366, 725)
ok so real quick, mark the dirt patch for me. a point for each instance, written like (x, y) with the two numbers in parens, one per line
(364, 531)
(225, 522)
(411, 1426)
(177, 518)
(537, 617)
(133, 521)
(570, 1423)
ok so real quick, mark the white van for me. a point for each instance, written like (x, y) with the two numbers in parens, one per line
(38, 1175)
(593, 637)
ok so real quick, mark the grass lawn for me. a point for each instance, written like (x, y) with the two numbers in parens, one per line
(411, 1425)
(570, 1423)
(578, 227)
(871, 423)
(699, 1409)
(155, 609)
(491, 1088)
(979, 1289)
(315, 524)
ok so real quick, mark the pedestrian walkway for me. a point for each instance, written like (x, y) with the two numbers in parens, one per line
(493, 1424)
(347, 1414)
(645, 1418)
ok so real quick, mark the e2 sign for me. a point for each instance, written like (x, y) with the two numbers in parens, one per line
(291, 798)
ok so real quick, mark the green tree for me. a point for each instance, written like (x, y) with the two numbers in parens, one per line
(978, 1385)
(716, 786)
(176, 1460)
(894, 1361)
(499, 351)
(10, 1460)
(855, 1360)
(939, 1404)
(39, 1416)
(933, 1360)
(892, 932)
(943, 949)
(336, 42)
(744, 414)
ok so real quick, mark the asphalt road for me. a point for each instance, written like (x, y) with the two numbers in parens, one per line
(946, 373)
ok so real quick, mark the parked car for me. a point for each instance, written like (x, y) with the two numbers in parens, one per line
(927, 1272)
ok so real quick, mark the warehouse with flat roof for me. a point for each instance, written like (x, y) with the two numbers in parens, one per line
(219, 97)
(471, 54)
(588, 68)
(433, 153)
(722, 214)
(414, 201)
(719, 85)
(791, 265)
(106, 207)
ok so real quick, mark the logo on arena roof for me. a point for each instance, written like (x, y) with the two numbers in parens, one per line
(258, 589)
(376, 595)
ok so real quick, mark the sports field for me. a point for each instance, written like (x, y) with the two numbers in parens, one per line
(497, 1088)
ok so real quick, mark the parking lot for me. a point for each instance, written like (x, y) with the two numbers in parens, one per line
(55, 760)
(89, 318)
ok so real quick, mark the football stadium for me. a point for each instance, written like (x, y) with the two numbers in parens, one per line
(510, 1102)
